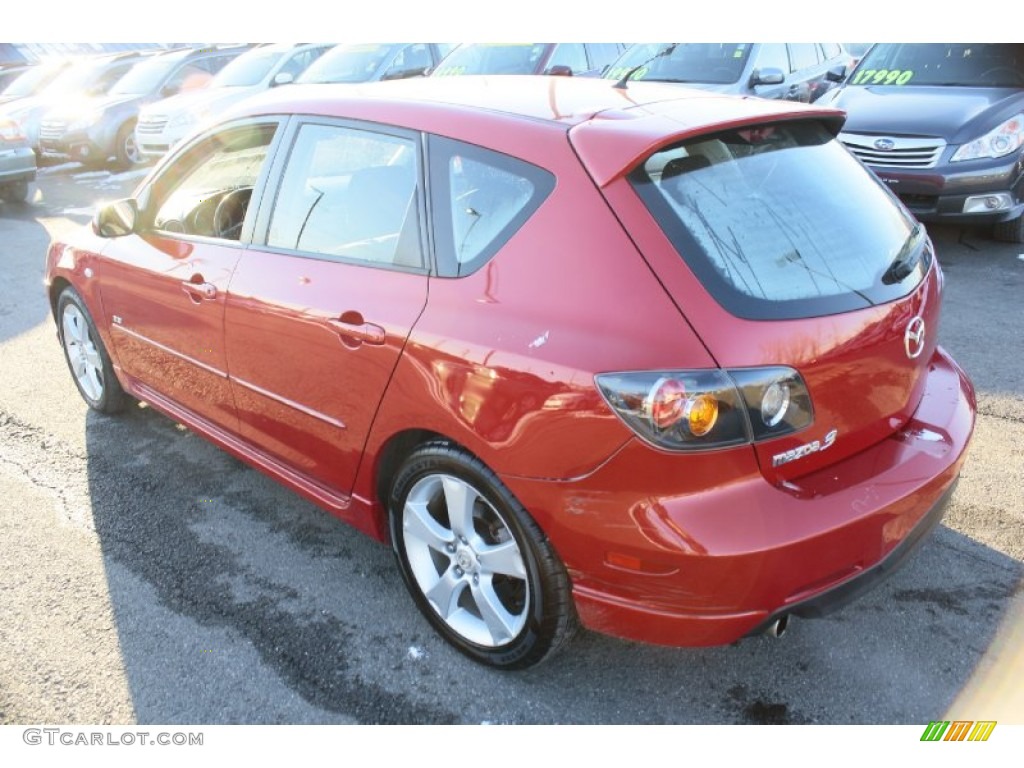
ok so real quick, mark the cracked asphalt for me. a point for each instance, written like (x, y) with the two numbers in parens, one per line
(147, 577)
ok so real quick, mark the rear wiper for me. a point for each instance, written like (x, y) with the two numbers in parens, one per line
(666, 51)
(906, 258)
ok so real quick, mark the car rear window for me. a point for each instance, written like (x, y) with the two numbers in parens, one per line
(779, 221)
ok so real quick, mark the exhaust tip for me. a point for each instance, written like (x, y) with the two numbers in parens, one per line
(778, 627)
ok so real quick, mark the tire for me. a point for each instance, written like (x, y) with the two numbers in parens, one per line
(1011, 231)
(86, 356)
(126, 150)
(15, 193)
(490, 583)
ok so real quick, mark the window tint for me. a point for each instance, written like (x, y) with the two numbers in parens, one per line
(805, 55)
(206, 192)
(571, 55)
(349, 194)
(780, 221)
(481, 198)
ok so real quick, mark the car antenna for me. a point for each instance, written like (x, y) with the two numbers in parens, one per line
(666, 51)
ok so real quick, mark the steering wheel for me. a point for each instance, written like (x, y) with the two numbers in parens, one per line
(199, 221)
(230, 213)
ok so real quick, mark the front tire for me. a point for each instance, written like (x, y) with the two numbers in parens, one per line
(86, 356)
(1009, 231)
(477, 566)
(126, 152)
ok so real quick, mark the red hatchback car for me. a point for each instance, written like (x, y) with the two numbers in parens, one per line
(659, 361)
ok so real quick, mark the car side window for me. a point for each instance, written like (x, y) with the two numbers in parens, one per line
(206, 192)
(480, 199)
(349, 194)
(571, 55)
(774, 55)
(805, 55)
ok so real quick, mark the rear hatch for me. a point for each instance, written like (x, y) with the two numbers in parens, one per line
(783, 251)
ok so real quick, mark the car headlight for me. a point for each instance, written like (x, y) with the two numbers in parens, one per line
(1001, 141)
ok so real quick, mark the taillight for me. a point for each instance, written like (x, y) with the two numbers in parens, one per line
(695, 410)
(11, 131)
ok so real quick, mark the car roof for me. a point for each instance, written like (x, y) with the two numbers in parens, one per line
(611, 128)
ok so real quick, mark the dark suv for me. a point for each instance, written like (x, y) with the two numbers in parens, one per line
(95, 130)
(943, 125)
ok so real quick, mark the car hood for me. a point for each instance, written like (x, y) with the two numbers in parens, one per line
(956, 114)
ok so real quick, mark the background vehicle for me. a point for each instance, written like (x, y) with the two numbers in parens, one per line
(164, 123)
(94, 130)
(793, 71)
(943, 125)
(685, 474)
(581, 59)
(27, 81)
(77, 82)
(17, 162)
(368, 62)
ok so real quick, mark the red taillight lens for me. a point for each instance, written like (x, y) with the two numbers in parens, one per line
(11, 131)
(687, 410)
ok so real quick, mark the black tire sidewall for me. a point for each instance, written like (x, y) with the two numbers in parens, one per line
(533, 642)
(112, 398)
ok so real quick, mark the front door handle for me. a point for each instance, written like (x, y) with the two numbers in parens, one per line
(355, 331)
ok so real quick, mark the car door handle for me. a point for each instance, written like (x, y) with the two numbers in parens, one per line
(206, 290)
(354, 331)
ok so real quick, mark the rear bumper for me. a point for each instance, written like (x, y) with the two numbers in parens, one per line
(717, 558)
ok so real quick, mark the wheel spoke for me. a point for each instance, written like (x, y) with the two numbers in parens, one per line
(421, 528)
(500, 623)
(445, 593)
(502, 558)
(460, 499)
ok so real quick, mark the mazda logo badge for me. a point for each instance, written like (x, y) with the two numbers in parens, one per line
(884, 145)
(913, 339)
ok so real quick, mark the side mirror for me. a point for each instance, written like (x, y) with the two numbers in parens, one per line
(116, 219)
(282, 78)
(837, 74)
(767, 76)
(559, 70)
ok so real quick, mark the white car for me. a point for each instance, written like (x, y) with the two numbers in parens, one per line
(163, 124)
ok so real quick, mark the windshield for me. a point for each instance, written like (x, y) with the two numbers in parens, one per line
(494, 59)
(77, 79)
(717, 63)
(990, 65)
(348, 64)
(248, 69)
(31, 81)
(779, 221)
(146, 76)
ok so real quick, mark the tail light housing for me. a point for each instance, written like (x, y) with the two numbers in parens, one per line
(709, 409)
(11, 131)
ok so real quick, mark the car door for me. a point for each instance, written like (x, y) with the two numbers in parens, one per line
(164, 286)
(806, 62)
(319, 310)
(765, 57)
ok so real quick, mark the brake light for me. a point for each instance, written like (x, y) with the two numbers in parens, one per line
(693, 410)
(11, 131)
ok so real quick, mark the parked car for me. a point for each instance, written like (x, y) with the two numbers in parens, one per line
(164, 123)
(581, 59)
(27, 81)
(17, 162)
(369, 62)
(943, 125)
(674, 373)
(74, 88)
(793, 71)
(94, 130)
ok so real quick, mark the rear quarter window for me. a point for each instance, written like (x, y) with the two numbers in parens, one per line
(779, 221)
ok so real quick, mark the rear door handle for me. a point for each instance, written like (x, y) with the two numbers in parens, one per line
(354, 331)
(204, 289)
